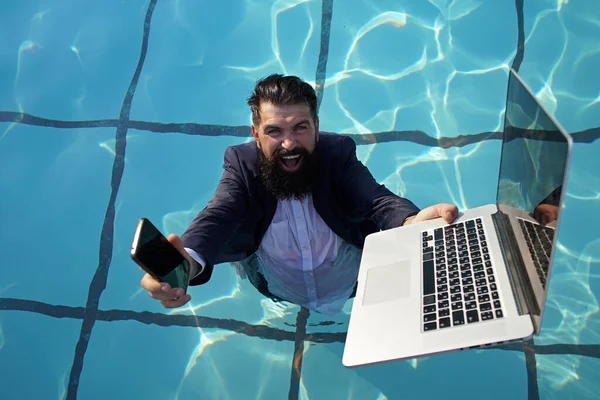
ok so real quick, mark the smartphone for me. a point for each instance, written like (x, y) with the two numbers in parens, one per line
(156, 255)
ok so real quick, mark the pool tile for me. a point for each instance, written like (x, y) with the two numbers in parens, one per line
(55, 187)
(71, 61)
(202, 64)
(568, 376)
(324, 377)
(147, 361)
(36, 355)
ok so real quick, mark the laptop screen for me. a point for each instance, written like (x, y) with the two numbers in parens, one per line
(535, 152)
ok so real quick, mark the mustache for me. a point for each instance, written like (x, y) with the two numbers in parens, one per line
(285, 153)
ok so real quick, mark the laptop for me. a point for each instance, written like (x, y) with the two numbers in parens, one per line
(433, 287)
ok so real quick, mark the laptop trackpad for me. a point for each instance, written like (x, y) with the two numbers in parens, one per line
(387, 282)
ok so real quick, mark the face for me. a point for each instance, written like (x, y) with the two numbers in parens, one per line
(287, 137)
(286, 129)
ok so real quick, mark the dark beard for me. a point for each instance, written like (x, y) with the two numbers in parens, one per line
(286, 185)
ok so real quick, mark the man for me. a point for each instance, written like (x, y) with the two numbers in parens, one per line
(293, 207)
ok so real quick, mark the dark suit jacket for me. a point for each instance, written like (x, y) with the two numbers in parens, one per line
(346, 196)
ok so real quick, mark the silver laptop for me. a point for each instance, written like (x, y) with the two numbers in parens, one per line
(480, 281)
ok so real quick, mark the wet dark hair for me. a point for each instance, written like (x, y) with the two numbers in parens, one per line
(281, 90)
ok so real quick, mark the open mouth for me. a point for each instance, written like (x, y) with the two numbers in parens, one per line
(291, 163)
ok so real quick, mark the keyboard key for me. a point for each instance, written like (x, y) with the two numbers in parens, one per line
(442, 296)
(458, 317)
(442, 288)
(456, 297)
(430, 326)
(485, 307)
(469, 296)
(429, 309)
(429, 300)
(470, 305)
(428, 278)
(495, 295)
(457, 306)
(487, 315)
(444, 312)
(498, 313)
(438, 234)
(442, 281)
(496, 303)
(472, 316)
(468, 289)
(470, 224)
(483, 298)
(453, 275)
(445, 322)
(482, 290)
(455, 289)
(429, 317)
(443, 304)
(428, 256)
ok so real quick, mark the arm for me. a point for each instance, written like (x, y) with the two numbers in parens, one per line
(370, 199)
(218, 221)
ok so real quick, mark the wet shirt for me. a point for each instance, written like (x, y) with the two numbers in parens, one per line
(304, 261)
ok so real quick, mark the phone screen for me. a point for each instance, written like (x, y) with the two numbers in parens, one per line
(157, 255)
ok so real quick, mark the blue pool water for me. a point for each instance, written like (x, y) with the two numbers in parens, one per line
(115, 110)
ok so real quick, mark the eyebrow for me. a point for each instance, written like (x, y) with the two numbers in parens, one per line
(270, 126)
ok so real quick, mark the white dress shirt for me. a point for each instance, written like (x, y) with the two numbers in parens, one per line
(303, 260)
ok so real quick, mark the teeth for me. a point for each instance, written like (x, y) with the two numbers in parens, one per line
(291, 157)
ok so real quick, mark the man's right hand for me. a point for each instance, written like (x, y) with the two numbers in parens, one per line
(168, 296)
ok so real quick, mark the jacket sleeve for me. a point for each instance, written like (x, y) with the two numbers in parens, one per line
(219, 220)
(369, 199)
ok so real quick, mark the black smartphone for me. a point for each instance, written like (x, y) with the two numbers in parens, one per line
(156, 255)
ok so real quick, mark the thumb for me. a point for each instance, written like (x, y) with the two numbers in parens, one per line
(176, 242)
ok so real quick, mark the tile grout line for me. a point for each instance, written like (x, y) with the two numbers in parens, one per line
(244, 328)
(520, 36)
(188, 128)
(299, 338)
(531, 366)
(98, 283)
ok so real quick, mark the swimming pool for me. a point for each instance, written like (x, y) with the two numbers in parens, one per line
(110, 111)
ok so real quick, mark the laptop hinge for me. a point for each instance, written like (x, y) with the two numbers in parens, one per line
(517, 272)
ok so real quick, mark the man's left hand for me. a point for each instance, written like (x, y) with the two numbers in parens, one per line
(448, 212)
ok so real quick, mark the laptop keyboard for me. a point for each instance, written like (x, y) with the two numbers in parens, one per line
(459, 284)
(539, 240)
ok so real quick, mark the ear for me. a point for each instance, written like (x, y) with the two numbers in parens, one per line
(255, 134)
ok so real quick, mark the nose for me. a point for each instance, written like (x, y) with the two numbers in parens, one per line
(288, 143)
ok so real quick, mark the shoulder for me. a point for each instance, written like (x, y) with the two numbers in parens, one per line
(336, 148)
(241, 157)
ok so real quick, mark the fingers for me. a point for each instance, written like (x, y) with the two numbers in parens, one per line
(169, 297)
(448, 212)
(177, 302)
